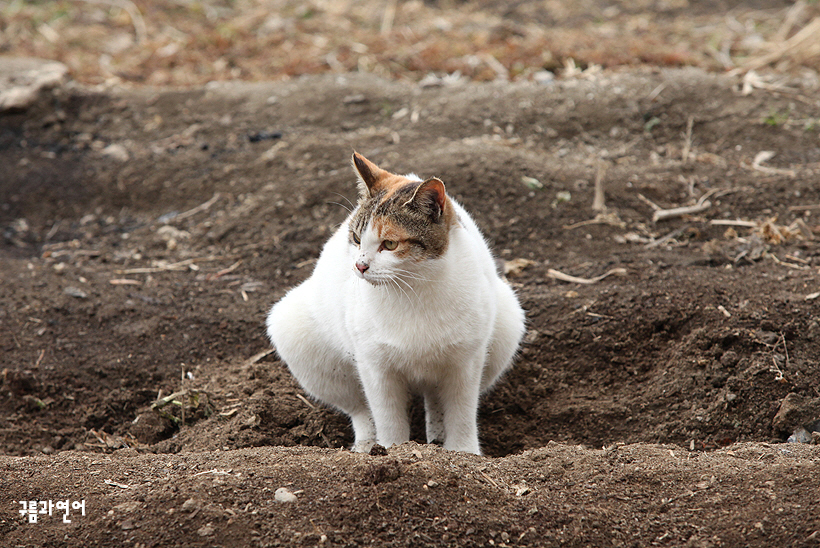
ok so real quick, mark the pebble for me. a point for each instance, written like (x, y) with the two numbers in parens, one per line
(190, 505)
(800, 435)
(117, 152)
(283, 494)
(75, 292)
(544, 77)
(206, 530)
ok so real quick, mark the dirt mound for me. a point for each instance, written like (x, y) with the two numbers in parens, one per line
(146, 233)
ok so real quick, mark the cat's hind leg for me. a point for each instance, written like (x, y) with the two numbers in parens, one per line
(321, 367)
(507, 333)
(434, 418)
(458, 393)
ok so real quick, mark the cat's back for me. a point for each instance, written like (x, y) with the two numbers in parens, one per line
(473, 241)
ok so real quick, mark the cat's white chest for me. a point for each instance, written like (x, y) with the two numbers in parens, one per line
(430, 323)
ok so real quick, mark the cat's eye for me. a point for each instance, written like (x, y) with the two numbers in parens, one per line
(390, 245)
(355, 237)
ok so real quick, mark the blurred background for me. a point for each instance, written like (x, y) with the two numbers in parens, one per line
(192, 42)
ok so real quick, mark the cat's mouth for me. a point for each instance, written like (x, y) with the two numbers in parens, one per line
(371, 278)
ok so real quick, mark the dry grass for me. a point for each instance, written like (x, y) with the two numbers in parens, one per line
(189, 42)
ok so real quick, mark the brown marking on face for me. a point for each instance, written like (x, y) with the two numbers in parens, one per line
(386, 229)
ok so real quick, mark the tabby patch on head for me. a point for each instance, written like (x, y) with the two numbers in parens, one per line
(401, 215)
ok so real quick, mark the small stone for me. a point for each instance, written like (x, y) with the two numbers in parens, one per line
(190, 505)
(800, 435)
(543, 77)
(206, 530)
(796, 411)
(354, 99)
(127, 525)
(283, 494)
(75, 292)
(117, 152)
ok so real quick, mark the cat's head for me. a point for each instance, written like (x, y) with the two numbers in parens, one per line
(400, 226)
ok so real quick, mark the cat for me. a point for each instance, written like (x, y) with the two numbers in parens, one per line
(405, 298)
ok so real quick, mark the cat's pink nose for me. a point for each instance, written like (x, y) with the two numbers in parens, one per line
(361, 267)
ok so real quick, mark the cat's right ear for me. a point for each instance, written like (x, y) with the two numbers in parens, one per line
(370, 175)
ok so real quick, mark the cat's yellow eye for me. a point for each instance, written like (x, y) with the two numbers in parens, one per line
(390, 245)
(355, 237)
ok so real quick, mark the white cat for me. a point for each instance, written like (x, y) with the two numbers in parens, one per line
(405, 298)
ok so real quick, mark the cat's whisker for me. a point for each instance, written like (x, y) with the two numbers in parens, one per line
(345, 198)
(342, 206)
(399, 288)
(410, 287)
(411, 275)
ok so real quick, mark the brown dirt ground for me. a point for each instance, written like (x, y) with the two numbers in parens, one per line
(643, 409)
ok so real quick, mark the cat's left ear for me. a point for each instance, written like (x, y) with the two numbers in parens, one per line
(430, 198)
(370, 175)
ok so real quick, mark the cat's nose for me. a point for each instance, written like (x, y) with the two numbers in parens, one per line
(362, 266)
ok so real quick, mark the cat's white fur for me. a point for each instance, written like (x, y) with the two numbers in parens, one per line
(446, 328)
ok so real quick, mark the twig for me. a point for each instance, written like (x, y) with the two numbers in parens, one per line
(304, 399)
(687, 142)
(162, 402)
(804, 39)
(162, 266)
(792, 16)
(124, 281)
(602, 218)
(599, 198)
(214, 471)
(702, 205)
(388, 17)
(224, 271)
(656, 92)
(670, 236)
(745, 224)
(765, 156)
(488, 478)
(804, 207)
(650, 203)
(788, 264)
(256, 357)
(586, 281)
(774, 367)
(201, 207)
(798, 259)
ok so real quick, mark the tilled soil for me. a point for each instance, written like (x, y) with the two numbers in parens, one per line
(146, 233)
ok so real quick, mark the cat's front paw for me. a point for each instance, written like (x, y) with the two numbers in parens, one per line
(363, 446)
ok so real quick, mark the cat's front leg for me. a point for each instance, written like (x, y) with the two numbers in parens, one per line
(365, 431)
(387, 395)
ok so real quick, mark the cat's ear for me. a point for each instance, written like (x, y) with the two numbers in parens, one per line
(370, 175)
(430, 198)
